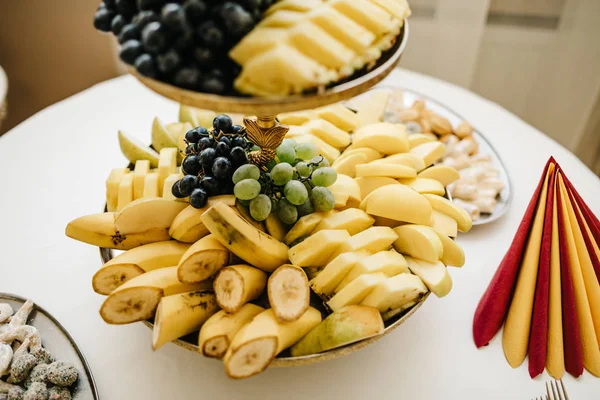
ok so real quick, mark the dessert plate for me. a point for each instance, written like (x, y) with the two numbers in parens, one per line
(61, 344)
(350, 87)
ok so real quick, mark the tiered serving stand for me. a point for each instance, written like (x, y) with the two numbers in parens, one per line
(265, 110)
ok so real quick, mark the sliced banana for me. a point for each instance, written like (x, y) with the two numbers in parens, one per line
(289, 292)
(236, 285)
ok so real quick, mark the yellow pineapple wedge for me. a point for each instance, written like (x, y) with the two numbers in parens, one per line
(303, 45)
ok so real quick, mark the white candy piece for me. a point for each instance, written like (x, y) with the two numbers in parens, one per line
(464, 191)
(472, 173)
(486, 204)
(487, 192)
(459, 162)
(6, 312)
(450, 144)
(492, 183)
(481, 158)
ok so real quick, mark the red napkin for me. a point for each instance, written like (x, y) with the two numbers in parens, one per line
(493, 306)
(571, 334)
(588, 214)
(538, 337)
(586, 237)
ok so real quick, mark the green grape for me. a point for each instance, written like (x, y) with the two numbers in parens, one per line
(287, 212)
(306, 208)
(260, 207)
(286, 154)
(289, 142)
(325, 176)
(245, 203)
(247, 171)
(271, 164)
(295, 192)
(282, 174)
(306, 151)
(246, 189)
(303, 169)
(308, 187)
(322, 199)
(319, 162)
(254, 148)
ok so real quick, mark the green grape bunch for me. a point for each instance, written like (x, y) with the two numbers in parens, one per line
(294, 184)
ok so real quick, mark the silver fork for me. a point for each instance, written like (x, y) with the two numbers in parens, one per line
(555, 390)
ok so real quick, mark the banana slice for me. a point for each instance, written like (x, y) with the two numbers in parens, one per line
(181, 314)
(236, 285)
(289, 293)
(202, 260)
(137, 299)
(219, 330)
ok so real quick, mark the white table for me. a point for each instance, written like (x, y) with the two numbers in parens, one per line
(53, 167)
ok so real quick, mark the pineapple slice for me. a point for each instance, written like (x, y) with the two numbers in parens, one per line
(303, 45)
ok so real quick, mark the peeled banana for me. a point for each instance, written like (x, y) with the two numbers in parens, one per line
(258, 342)
(219, 330)
(135, 262)
(137, 299)
(245, 241)
(181, 314)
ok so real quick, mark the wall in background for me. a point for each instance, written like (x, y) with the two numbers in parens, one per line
(537, 58)
(50, 50)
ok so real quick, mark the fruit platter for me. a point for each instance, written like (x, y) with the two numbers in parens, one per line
(297, 235)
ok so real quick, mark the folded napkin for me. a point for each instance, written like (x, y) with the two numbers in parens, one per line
(546, 291)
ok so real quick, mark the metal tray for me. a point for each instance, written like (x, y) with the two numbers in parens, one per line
(61, 344)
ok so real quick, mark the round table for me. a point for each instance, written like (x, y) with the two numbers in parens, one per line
(53, 167)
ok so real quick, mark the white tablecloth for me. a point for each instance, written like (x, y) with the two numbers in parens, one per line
(53, 167)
